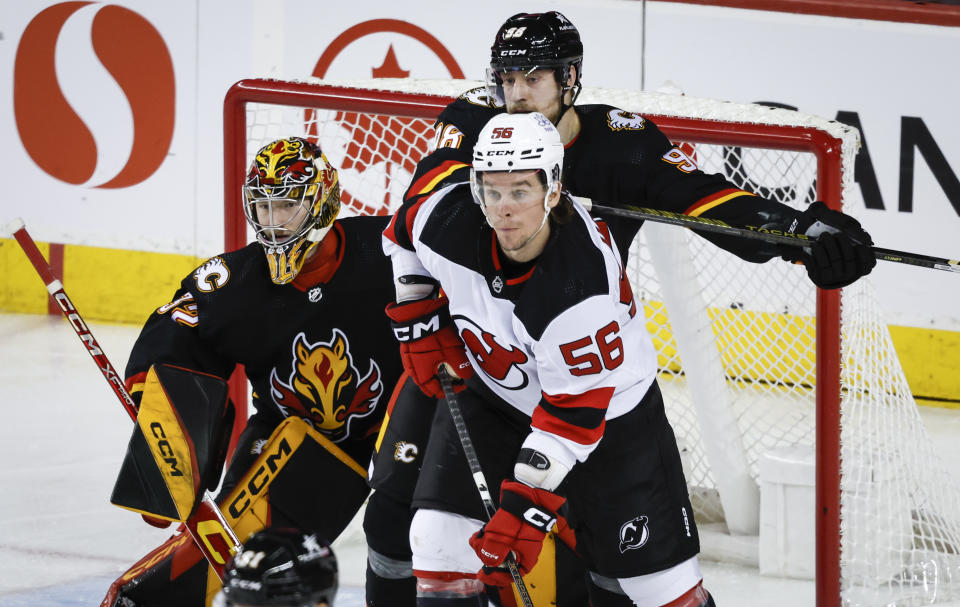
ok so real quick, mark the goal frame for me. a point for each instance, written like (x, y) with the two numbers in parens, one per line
(825, 147)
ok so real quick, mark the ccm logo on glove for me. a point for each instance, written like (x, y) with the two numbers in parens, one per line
(418, 329)
(540, 519)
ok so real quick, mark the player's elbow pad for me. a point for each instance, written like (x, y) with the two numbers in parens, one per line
(542, 462)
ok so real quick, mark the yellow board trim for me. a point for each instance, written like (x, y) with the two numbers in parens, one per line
(113, 285)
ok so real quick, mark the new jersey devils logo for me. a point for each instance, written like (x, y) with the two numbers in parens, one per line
(325, 388)
(634, 534)
(501, 364)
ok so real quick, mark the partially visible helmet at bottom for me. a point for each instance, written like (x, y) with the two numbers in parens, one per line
(281, 567)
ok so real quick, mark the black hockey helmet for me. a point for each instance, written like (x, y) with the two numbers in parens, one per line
(282, 567)
(527, 41)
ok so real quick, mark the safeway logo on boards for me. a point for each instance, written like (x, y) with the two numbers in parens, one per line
(134, 54)
(381, 152)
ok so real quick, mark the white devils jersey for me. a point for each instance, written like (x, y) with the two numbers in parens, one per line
(564, 343)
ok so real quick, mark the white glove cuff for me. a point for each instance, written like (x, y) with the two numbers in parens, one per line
(544, 461)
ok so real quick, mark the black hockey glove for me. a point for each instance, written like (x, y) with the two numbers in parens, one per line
(840, 253)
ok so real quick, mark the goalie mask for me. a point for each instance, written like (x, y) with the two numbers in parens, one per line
(529, 41)
(291, 197)
(282, 567)
(518, 142)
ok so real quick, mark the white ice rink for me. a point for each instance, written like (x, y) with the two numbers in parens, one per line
(63, 434)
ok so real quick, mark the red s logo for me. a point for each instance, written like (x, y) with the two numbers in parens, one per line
(134, 54)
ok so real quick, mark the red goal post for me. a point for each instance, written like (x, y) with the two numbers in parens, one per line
(375, 131)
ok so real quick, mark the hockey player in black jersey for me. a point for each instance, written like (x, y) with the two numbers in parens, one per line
(562, 404)
(613, 157)
(302, 311)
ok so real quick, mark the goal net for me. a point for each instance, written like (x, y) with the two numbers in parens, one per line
(759, 370)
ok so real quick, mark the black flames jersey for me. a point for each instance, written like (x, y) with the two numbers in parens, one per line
(617, 158)
(324, 352)
(563, 343)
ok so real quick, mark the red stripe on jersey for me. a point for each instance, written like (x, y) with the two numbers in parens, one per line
(713, 200)
(391, 228)
(408, 215)
(137, 378)
(497, 266)
(604, 232)
(434, 176)
(596, 400)
(404, 377)
(519, 279)
(548, 423)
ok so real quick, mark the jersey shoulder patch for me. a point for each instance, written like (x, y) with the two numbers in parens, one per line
(479, 96)
(622, 120)
(211, 275)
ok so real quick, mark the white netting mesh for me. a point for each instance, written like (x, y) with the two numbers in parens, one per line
(900, 527)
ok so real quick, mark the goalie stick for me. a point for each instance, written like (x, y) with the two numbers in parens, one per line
(446, 383)
(703, 224)
(207, 526)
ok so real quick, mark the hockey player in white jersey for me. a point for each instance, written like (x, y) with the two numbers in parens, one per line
(561, 400)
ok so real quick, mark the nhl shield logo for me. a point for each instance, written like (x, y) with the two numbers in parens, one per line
(497, 284)
(634, 534)
(314, 294)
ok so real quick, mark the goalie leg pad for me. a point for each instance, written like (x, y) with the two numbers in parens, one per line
(174, 573)
(309, 482)
(299, 479)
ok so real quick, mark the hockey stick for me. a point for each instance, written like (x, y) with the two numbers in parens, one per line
(207, 521)
(702, 224)
(446, 382)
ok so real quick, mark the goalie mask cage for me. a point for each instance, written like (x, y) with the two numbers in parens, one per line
(753, 360)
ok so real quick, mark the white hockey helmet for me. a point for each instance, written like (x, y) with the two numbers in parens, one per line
(518, 142)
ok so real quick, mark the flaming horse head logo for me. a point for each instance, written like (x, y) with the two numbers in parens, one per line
(324, 386)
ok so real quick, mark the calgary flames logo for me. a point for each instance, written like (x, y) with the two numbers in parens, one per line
(324, 386)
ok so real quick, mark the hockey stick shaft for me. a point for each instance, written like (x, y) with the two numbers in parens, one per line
(446, 383)
(207, 522)
(715, 226)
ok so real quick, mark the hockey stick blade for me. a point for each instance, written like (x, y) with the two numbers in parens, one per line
(207, 523)
(716, 226)
(446, 384)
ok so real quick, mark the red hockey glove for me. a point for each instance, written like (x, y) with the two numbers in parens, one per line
(525, 516)
(427, 339)
(841, 252)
